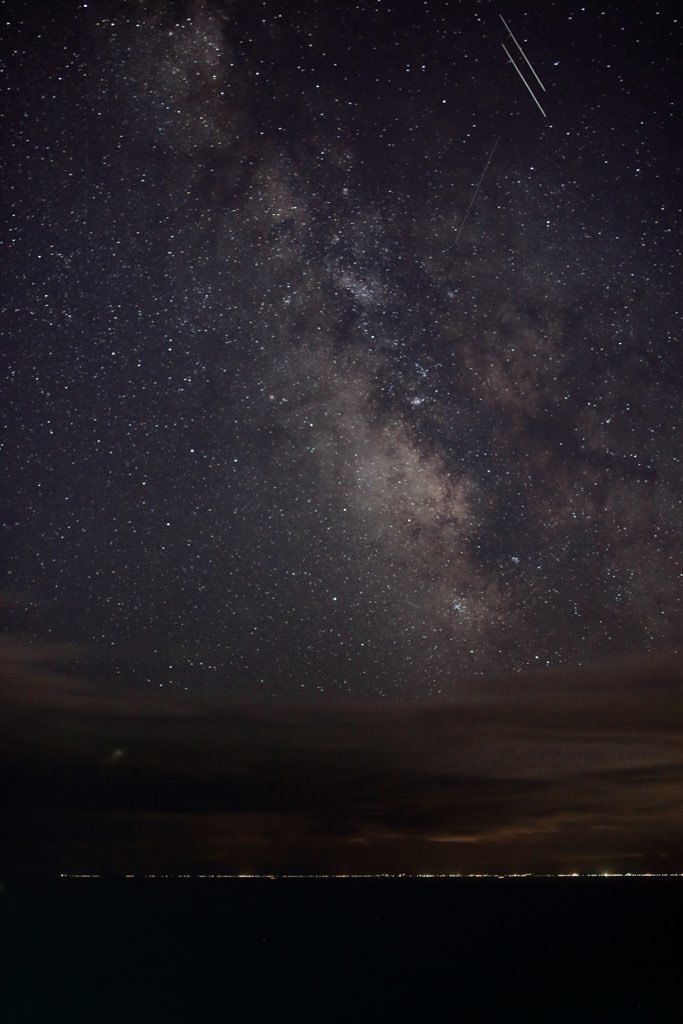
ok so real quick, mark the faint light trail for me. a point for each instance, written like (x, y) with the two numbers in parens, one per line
(476, 191)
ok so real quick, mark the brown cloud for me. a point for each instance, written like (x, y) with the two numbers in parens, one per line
(573, 771)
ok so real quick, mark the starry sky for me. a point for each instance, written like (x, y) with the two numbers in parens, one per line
(279, 417)
(340, 360)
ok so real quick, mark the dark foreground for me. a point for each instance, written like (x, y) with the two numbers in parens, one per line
(590, 949)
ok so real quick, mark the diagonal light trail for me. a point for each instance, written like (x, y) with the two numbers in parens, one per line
(523, 79)
(476, 191)
(522, 52)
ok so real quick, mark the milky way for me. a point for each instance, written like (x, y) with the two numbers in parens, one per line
(280, 420)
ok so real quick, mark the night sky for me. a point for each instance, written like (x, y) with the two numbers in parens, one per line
(338, 369)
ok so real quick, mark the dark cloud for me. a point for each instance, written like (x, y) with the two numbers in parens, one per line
(571, 772)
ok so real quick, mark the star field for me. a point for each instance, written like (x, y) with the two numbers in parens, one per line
(278, 418)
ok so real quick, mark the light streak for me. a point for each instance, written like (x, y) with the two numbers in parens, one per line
(523, 79)
(476, 191)
(522, 52)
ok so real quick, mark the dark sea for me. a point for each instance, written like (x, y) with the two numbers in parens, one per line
(489, 949)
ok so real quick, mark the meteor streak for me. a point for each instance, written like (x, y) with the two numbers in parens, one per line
(476, 191)
(523, 79)
(522, 52)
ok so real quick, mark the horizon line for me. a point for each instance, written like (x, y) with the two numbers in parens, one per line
(273, 876)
